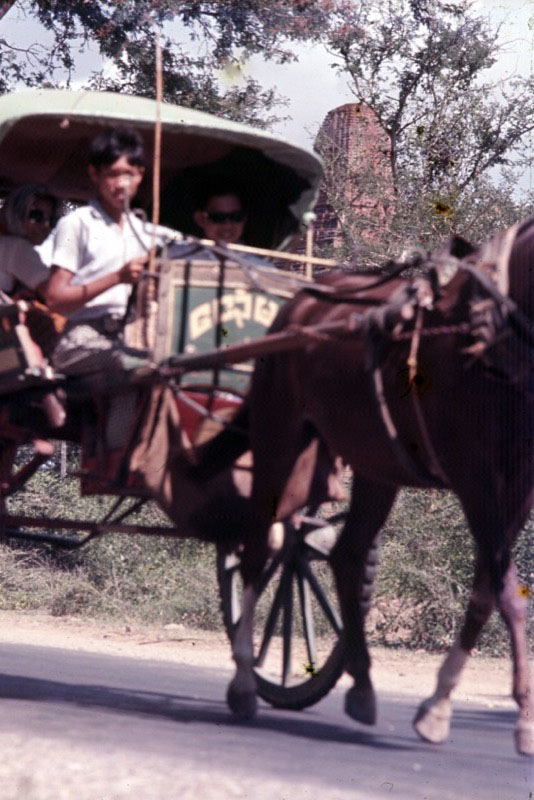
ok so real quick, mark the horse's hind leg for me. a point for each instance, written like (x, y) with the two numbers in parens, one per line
(369, 509)
(433, 718)
(275, 448)
(513, 606)
(432, 721)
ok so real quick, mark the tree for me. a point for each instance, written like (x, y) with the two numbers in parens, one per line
(454, 136)
(419, 67)
(198, 40)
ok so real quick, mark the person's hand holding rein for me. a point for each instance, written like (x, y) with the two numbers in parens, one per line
(131, 271)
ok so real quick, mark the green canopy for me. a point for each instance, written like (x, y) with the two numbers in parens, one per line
(45, 136)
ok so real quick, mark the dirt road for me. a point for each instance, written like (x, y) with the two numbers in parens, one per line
(56, 762)
(486, 680)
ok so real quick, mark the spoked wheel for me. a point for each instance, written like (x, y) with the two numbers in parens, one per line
(298, 646)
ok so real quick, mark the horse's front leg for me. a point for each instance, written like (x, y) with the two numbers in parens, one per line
(513, 606)
(433, 718)
(350, 561)
(432, 721)
(241, 694)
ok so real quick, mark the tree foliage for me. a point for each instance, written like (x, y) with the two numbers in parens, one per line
(455, 134)
(198, 40)
(456, 137)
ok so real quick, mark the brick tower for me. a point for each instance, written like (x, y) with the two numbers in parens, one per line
(357, 182)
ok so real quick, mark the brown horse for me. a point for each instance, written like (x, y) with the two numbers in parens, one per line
(432, 388)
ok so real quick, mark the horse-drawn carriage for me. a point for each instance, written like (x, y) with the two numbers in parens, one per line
(195, 308)
(396, 376)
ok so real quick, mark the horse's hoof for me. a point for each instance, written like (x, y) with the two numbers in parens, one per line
(242, 704)
(524, 738)
(433, 722)
(360, 704)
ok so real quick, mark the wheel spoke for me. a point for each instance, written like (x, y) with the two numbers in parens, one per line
(330, 612)
(235, 597)
(270, 624)
(287, 627)
(308, 626)
(321, 541)
(268, 574)
(232, 568)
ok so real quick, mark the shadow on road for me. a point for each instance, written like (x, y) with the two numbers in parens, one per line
(181, 708)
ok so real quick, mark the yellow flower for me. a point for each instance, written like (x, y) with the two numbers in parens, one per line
(442, 209)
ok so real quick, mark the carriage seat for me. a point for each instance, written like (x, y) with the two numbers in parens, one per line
(22, 362)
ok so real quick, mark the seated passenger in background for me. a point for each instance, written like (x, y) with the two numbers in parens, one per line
(220, 213)
(221, 216)
(100, 251)
(27, 217)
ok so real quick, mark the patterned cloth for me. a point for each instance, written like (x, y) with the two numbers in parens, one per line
(86, 348)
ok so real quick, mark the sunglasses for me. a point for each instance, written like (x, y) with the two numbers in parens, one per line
(38, 216)
(223, 216)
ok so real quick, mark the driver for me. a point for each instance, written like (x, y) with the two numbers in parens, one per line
(100, 251)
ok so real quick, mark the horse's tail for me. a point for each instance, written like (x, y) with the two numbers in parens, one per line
(499, 563)
(219, 453)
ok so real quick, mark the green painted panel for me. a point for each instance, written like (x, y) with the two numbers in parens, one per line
(215, 318)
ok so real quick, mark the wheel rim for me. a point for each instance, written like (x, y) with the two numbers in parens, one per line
(297, 623)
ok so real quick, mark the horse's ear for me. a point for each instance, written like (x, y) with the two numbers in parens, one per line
(459, 247)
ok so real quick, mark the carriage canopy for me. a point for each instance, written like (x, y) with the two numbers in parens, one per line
(45, 135)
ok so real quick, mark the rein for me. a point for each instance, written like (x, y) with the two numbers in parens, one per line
(331, 296)
(292, 282)
(507, 310)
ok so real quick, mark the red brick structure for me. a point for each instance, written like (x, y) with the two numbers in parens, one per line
(358, 175)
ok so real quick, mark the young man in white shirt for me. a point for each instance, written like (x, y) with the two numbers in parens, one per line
(100, 251)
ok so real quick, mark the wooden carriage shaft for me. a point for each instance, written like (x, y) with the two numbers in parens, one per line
(264, 345)
(290, 339)
(80, 525)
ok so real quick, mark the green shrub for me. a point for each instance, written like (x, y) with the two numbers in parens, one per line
(425, 574)
(156, 578)
(421, 593)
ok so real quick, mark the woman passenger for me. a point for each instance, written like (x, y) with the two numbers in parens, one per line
(27, 217)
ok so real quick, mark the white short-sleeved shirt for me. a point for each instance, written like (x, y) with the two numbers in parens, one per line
(90, 244)
(19, 261)
(46, 249)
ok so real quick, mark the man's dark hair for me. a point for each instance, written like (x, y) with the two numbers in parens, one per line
(113, 143)
(216, 188)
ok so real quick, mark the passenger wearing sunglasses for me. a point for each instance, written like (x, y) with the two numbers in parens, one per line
(220, 215)
(27, 217)
(39, 221)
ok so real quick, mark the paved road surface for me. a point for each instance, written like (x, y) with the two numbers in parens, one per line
(95, 727)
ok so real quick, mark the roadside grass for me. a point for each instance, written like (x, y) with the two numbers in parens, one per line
(132, 577)
(425, 575)
(422, 588)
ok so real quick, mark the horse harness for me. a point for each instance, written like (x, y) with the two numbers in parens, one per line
(384, 322)
(489, 309)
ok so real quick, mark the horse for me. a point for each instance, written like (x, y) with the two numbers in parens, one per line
(429, 385)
